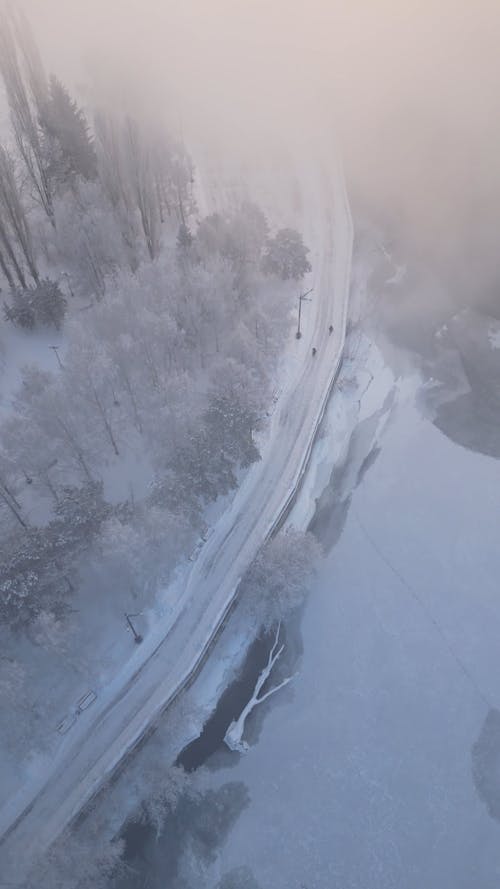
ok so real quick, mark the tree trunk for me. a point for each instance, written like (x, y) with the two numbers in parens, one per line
(13, 206)
(9, 492)
(106, 422)
(131, 395)
(50, 486)
(77, 450)
(13, 509)
(234, 735)
(4, 237)
(6, 270)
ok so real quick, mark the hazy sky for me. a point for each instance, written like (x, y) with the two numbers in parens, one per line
(414, 86)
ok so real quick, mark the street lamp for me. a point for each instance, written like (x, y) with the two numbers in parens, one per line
(56, 353)
(302, 297)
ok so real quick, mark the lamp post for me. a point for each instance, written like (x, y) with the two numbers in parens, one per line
(302, 297)
(56, 353)
(137, 636)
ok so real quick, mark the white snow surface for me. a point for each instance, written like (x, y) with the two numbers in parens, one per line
(362, 775)
(59, 786)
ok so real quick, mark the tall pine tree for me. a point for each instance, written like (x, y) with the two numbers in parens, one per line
(66, 125)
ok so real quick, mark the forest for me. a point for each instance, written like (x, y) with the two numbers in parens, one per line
(161, 331)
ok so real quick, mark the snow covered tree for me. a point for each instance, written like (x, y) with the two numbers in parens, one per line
(173, 362)
(126, 169)
(214, 235)
(138, 166)
(89, 241)
(88, 382)
(184, 238)
(47, 425)
(232, 414)
(196, 472)
(173, 174)
(20, 310)
(169, 491)
(112, 178)
(239, 238)
(77, 861)
(50, 304)
(138, 550)
(80, 514)
(277, 581)
(36, 563)
(250, 231)
(286, 255)
(30, 582)
(41, 305)
(66, 126)
(166, 789)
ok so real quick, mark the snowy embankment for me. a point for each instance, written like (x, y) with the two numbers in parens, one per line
(135, 700)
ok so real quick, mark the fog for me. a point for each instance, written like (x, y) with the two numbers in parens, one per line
(412, 87)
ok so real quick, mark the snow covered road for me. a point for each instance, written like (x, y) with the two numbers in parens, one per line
(83, 763)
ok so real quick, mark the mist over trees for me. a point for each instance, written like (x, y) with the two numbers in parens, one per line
(286, 255)
(169, 327)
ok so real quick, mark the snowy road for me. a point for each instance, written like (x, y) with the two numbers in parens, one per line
(83, 763)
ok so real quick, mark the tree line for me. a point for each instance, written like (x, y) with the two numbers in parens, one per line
(171, 325)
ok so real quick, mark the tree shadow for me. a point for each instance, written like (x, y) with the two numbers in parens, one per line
(486, 764)
(188, 844)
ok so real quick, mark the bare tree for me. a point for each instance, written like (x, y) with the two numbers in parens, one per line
(24, 116)
(142, 184)
(35, 73)
(9, 257)
(234, 734)
(113, 177)
(5, 268)
(14, 212)
(110, 159)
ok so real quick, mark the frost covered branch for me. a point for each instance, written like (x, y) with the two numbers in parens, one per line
(234, 734)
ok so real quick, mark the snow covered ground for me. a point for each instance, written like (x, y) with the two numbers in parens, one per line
(59, 786)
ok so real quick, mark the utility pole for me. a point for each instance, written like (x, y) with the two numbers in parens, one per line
(302, 298)
(9, 492)
(137, 636)
(56, 353)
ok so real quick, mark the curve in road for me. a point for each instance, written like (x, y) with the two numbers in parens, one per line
(258, 508)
